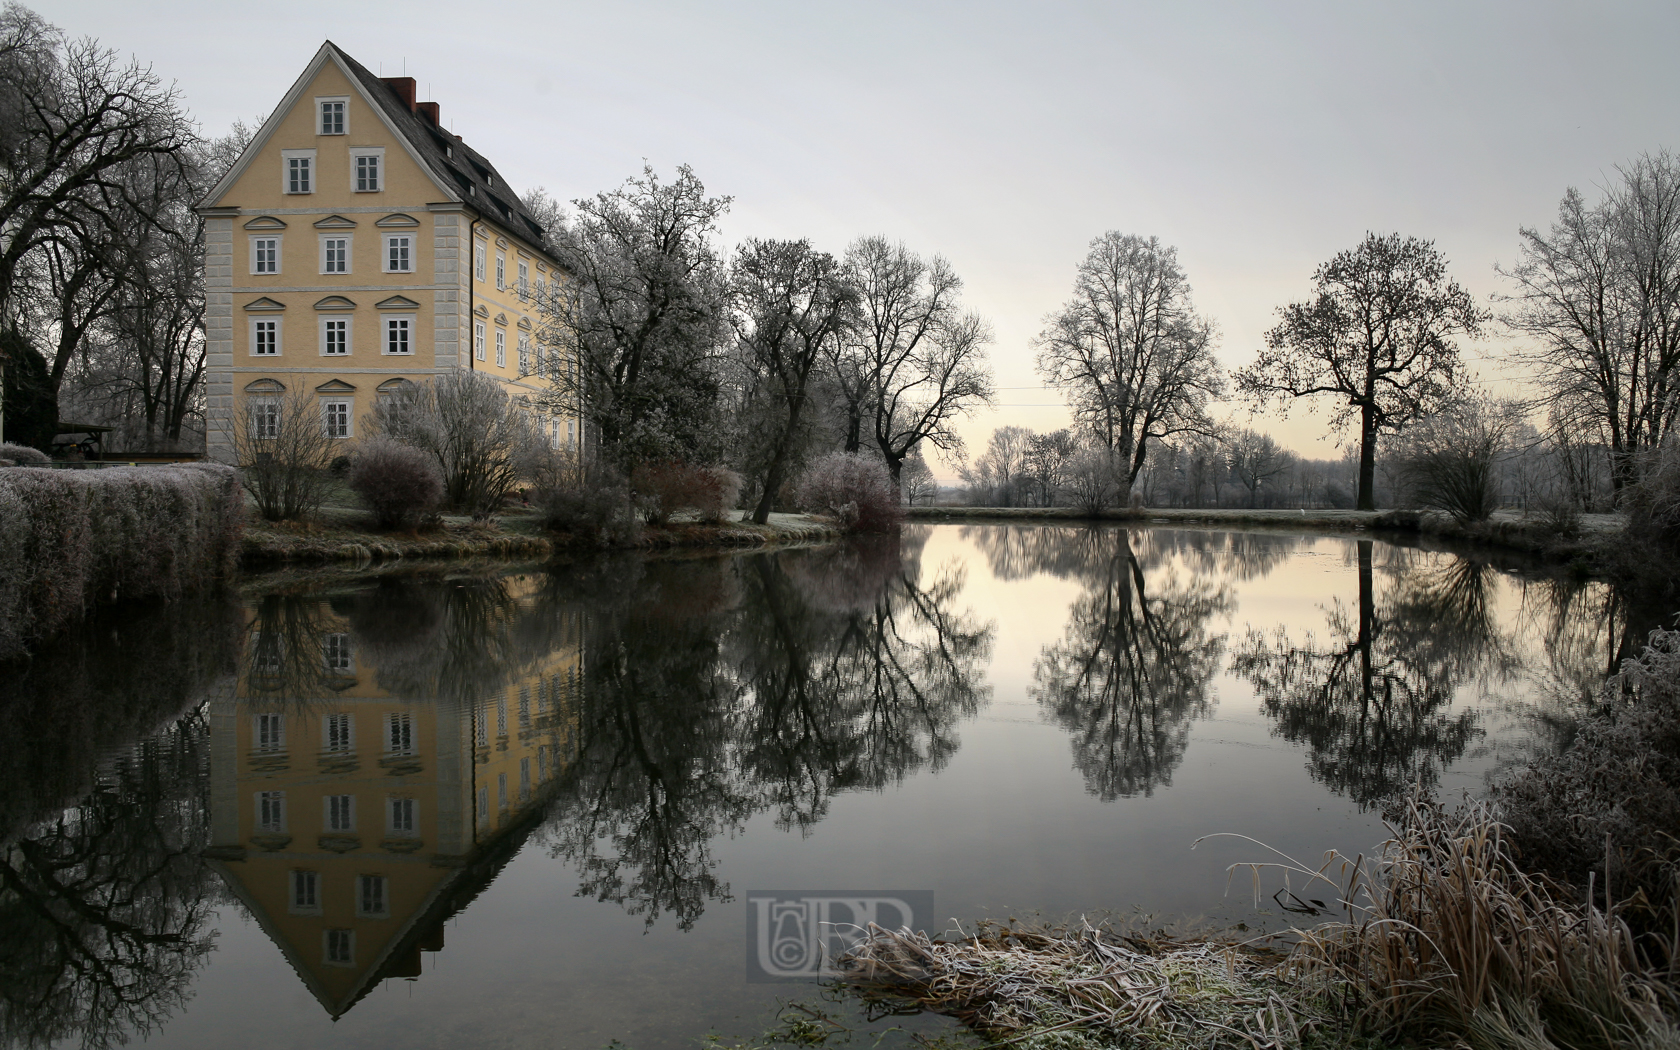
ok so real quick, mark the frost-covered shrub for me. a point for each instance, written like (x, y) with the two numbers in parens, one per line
(398, 482)
(854, 489)
(1091, 480)
(718, 492)
(1449, 461)
(72, 539)
(669, 487)
(590, 500)
(1619, 780)
(486, 443)
(1653, 502)
(24, 456)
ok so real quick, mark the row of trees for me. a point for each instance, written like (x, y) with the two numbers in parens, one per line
(1596, 298)
(101, 254)
(1136, 360)
(1501, 459)
(761, 358)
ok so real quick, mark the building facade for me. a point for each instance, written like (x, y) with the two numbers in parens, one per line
(357, 247)
(356, 806)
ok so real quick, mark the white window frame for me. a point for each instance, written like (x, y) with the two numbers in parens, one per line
(301, 884)
(287, 156)
(338, 656)
(349, 252)
(524, 280)
(501, 347)
(321, 102)
(409, 809)
(391, 326)
(478, 340)
(275, 799)
(357, 153)
(348, 407)
(478, 261)
(327, 324)
(349, 724)
(266, 425)
(256, 325)
(501, 271)
(408, 248)
(268, 733)
(524, 348)
(373, 897)
(345, 937)
(349, 813)
(400, 736)
(279, 253)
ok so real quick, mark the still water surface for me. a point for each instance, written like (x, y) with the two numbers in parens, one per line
(491, 808)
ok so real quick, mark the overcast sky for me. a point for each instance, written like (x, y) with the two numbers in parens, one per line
(1260, 139)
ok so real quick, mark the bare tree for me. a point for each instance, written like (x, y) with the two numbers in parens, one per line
(141, 367)
(79, 125)
(641, 317)
(914, 363)
(1255, 459)
(485, 442)
(792, 304)
(1600, 295)
(1049, 463)
(918, 481)
(1129, 351)
(997, 475)
(283, 450)
(1378, 334)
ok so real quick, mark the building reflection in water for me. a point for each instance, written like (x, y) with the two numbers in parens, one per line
(366, 783)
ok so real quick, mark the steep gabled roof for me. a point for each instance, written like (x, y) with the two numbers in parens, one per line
(453, 163)
(460, 172)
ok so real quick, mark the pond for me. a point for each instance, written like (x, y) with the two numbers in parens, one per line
(535, 807)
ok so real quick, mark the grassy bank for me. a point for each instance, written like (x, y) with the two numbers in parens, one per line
(344, 535)
(1592, 541)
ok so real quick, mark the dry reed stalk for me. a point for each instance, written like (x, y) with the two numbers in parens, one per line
(1447, 936)
(1090, 987)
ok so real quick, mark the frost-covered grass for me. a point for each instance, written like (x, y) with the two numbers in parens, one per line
(1086, 988)
(71, 540)
(1448, 941)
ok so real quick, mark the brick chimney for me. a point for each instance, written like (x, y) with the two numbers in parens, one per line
(403, 88)
(429, 110)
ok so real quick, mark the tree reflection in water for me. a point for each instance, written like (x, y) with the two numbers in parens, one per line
(715, 691)
(853, 672)
(1133, 668)
(1373, 703)
(103, 898)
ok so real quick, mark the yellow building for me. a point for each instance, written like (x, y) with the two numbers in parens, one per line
(350, 820)
(357, 246)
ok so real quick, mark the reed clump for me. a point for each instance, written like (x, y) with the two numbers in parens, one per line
(1449, 941)
(1446, 941)
(1095, 986)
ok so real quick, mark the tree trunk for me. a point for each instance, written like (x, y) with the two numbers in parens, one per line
(1367, 631)
(772, 483)
(854, 428)
(1367, 457)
